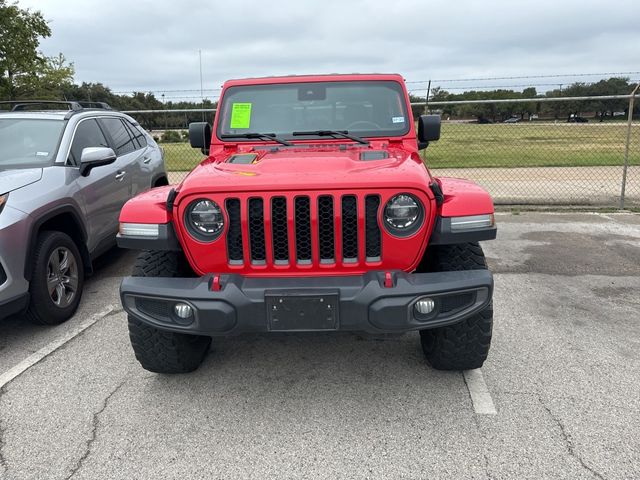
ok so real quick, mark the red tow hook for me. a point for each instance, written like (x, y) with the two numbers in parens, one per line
(214, 283)
(388, 280)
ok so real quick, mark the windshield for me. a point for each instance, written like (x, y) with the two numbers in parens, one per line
(26, 142)
(365, 109)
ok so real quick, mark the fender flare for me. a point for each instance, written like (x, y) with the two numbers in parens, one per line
(41, 220)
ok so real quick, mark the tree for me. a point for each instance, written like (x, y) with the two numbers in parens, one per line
(48, 82)
(20, 33)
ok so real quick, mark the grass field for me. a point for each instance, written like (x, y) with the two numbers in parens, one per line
(500, 145)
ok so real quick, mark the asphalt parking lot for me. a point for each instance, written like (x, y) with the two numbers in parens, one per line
(562, 375)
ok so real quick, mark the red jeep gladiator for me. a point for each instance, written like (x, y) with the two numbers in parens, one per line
(312, 211)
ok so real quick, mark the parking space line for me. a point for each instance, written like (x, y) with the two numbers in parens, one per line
(48, 349)
(480, 396)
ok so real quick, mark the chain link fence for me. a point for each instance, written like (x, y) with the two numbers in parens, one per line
(582, 151)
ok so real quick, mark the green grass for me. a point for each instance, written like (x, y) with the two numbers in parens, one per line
(500, 145)
(532, 145)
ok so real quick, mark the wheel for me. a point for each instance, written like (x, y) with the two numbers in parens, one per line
(157, 350)
(57, 278)
(464, 345)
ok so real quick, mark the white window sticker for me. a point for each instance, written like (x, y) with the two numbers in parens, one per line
(397, 119)
(42, 154)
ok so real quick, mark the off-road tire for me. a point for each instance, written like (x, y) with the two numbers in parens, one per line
(157, 350)
(464, 345)
(41, 309)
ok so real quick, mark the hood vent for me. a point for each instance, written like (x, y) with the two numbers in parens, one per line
(242, 158)
(374, 155)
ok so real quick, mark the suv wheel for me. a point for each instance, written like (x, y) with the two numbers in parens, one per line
(57, 279)
(464, 345)
(158, 350)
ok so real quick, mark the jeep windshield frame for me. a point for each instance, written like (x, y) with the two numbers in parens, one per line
(365, 108)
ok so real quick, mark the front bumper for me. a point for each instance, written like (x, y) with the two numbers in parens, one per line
(14, 228)
(372, 303)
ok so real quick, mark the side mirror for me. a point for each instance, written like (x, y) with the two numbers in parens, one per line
(200, 136)
(95, 157)
(428, 130)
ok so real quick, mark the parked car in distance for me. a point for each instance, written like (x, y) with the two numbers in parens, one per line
(313, 211)
(512, 120)
(66, 169)
(576, 119)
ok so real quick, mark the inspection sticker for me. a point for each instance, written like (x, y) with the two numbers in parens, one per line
(42, 154)
(397, 119)
(240, 115)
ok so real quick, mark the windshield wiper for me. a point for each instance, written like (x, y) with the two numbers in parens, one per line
(333, 133)
(259, 136)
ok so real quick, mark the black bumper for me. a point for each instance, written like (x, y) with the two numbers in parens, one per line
(354, 303)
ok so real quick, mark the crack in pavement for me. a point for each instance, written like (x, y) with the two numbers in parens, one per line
(95, 423)
(568, 441)
(484, 453)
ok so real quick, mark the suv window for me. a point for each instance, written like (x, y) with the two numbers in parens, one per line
(137, 134)
(26, 142)
(122, 140)
(88, 134)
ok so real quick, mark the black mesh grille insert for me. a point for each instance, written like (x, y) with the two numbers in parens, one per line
(303, 230)
(456, 302)
(234, 235)
(326, 228)
(279, 229)
(349, 228)
(159, 309)
(372, 229)
(256, 230)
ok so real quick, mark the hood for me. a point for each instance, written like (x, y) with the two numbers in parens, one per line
(309, 169)
(17, 178)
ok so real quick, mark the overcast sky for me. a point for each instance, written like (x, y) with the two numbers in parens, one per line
(150, 45)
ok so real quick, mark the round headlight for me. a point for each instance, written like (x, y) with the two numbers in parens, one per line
(204, 220)
(403, 215)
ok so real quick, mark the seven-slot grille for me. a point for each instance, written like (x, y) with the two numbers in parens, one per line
(288, 236)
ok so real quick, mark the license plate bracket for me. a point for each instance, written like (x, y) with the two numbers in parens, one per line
(302, 311)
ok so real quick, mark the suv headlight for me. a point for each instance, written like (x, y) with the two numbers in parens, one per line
(403, 215)
(204, 220)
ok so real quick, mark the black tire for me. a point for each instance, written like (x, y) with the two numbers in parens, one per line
(53, 308)
(464, 345)
(158, 350)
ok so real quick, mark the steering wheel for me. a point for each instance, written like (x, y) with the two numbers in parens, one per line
(365, 123)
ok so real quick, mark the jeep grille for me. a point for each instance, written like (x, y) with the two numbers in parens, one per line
(282, 231)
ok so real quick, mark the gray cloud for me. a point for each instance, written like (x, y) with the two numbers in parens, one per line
(151, 45)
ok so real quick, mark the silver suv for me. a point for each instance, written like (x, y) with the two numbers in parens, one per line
(66, 169)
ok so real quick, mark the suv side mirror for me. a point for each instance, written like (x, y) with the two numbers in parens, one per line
(428, 130)
(95, 157)
(200, 136)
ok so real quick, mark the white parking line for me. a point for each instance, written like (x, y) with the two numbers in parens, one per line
(480, 396)
(48, 349)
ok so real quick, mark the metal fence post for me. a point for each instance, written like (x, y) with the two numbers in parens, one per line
(626, 146)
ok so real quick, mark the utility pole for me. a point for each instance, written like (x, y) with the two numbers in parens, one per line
(426, 102)
(164, 106)
(201, 88)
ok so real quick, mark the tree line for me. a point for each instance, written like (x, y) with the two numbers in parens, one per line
(495, 112)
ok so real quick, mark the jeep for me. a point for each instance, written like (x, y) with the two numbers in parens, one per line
(312, 212)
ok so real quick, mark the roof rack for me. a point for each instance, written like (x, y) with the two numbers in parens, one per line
(22, 105)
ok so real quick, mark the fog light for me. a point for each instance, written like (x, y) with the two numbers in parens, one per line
(425, 306)
(183, 310)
